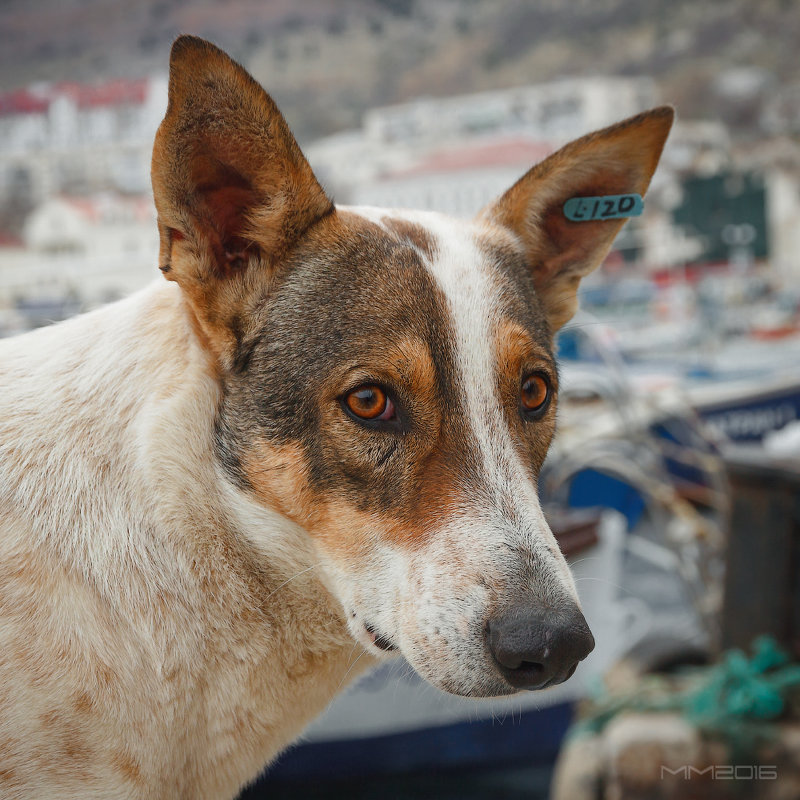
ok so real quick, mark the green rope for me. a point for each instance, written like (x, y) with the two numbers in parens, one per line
(733, 700)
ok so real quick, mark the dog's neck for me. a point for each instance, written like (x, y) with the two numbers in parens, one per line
(240, 622)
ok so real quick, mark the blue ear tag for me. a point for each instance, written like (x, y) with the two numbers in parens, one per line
(610, 206)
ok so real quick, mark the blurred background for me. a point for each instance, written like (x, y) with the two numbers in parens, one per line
(673, 483)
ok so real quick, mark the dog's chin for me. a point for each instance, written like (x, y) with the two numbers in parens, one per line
(444, 671)
(489, 689)
(486, 685)
(481, 681)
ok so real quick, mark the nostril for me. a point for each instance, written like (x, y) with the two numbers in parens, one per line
(508, 655)
(530, 668)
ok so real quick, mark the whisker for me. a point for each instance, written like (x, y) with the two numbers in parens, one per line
(350, 669)
(574, 564)
(297, 575)
(601, 580)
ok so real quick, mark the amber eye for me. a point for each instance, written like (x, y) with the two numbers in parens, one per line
(535, 394)
(370, 403)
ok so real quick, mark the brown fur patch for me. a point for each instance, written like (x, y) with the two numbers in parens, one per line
(412, 233)
(126, 766)
(83, 703)
(518, 355)
(341, 526)
(279, 476)
(9, 776)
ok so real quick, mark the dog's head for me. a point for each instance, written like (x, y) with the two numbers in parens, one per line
(388, 377)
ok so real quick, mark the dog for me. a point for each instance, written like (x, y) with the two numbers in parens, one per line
(313, 446)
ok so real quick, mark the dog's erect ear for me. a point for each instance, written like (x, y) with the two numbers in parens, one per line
(232, 189)
(613, 161)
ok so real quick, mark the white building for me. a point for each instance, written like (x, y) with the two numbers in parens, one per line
(399, 140)
(77, 138)
(556, 111)
(459, 180)
(93, 249)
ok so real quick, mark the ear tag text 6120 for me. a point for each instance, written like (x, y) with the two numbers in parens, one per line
(611, 206)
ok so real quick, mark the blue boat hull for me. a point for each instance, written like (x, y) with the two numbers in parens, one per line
(531, 739)
(750, 416)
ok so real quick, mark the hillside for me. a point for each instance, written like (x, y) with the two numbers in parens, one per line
(326, 62)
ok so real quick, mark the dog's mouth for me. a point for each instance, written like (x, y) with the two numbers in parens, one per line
(381, 641)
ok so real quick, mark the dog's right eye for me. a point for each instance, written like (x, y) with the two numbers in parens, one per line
(371, 403)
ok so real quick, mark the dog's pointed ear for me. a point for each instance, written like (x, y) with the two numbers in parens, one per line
(232, 189)
(560, 251)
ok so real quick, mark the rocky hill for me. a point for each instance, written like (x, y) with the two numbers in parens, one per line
(327, 62)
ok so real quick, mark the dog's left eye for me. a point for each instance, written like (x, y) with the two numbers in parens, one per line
(371, 403)
(534, 395)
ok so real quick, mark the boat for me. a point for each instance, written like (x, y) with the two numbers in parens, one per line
(743, 385)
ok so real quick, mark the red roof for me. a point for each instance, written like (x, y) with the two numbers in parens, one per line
(10, 240)
(497, 153)
(23, 101)
(111, 93)
(99, 207)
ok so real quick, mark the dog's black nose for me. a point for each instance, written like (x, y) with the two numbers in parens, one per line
(535, 648)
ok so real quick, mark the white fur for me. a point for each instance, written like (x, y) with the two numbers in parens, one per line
(142, 652)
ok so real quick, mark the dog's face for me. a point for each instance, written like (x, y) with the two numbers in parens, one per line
(397, 400)
(388, 377)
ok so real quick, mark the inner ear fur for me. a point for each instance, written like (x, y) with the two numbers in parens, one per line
(232, 189)
(620, 159)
